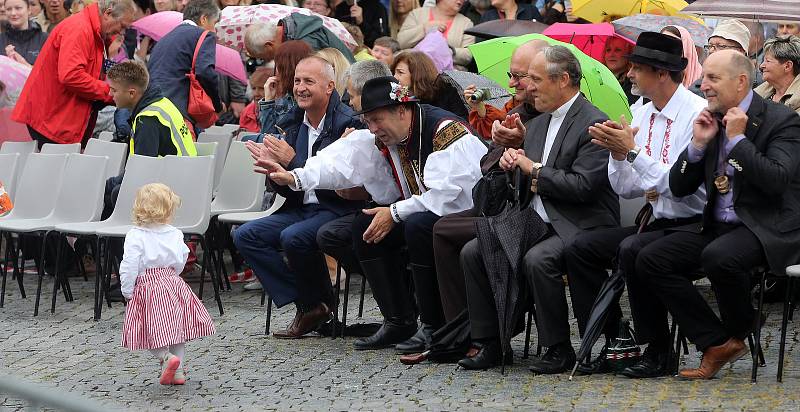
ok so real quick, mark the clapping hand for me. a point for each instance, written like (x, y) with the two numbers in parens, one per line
(279, 150)
(617, 138)
(510, 132)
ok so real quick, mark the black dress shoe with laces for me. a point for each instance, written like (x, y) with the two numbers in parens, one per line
(390, 334)
(653, 364)
(487, 357)
(557, 359)
(597, 366)
(417, 343)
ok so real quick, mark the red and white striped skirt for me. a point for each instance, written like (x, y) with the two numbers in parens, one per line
(163, 311)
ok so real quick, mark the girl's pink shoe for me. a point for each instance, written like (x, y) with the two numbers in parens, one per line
(179, 378)
(168, 367)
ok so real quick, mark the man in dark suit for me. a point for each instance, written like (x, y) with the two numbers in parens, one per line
(570, 192)
(744, 151)
(319, 119)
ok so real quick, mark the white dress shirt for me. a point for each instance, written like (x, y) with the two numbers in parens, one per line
(354, 160)
(310, 197)
(556, 120)
(651, 171)
(158, 246)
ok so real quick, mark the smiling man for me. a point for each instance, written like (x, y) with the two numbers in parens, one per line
(319, 119)
(422, 165)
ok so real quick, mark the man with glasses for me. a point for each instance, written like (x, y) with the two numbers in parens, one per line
(481, 115)
(729, 34)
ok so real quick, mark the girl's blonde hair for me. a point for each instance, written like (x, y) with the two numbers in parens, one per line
(155, 204)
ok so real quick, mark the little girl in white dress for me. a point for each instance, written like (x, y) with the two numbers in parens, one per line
(162, 311)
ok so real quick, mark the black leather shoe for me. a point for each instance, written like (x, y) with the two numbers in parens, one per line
(597, 366)
(417, 343)
(488, 356)
(390, 334)
(654, 364)
(557, 359)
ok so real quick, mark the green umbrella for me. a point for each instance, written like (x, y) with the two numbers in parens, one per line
(598, 84)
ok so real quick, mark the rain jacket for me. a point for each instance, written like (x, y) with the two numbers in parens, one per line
(309, 29)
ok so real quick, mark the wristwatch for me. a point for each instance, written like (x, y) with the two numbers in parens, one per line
(536, 167)
(631, 156)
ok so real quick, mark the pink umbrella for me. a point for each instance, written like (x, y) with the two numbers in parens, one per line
(157, 25)
(12, 77)
(589, 38)
(235, 19)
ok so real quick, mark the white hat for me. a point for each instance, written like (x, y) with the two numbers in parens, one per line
(733, 30)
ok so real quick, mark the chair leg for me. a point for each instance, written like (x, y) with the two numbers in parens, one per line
(336, 290)
(40, 275)
(361, 299)
(221, 253)
(7, 258)
(21, 273)
(344, 301)
(204, 245)
(528, 327)
(57, 278)
(269, 316)
(784, 325)
(757, 332)
(263, 296)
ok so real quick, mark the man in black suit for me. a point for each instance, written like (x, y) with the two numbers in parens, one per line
(571, 193)
(744, 151)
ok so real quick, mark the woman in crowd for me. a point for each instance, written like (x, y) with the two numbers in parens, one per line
(340, 65)
(399, 10)
(781, 68)
(511, 10)
(614, 58)
(278, 99)
(321, 7)
(444, 17)
(694, 70)
(21, 38)
(415, 70)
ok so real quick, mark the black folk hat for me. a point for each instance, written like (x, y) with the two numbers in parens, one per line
(384, 92)
(658, 50)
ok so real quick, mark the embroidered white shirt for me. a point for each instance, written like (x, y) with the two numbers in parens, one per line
(150, 247)
(652, 171)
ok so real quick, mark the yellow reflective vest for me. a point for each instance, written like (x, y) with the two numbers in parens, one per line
(169, 115)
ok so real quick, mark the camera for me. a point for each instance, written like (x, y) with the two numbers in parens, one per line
(480, 95)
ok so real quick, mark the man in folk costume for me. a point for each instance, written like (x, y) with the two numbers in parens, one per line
(744, 152)
(640, 159)
(423, 164)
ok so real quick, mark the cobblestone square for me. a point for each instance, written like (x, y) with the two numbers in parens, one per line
(241, 369)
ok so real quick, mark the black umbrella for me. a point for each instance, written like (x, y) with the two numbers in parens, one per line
(609, 295)
(503, 241)
(448, 344)
(503, 28)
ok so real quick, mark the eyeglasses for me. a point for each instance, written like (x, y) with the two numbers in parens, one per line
(517, 76)
(714, 47)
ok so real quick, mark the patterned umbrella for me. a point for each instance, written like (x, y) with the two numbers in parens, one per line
(760, 10)
(12, 79)
(235, 19)
(632, 26)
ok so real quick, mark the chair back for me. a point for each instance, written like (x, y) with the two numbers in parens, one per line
(105, 136)
(38, 186)
(52, 148)
(116, 153)
(240, 189)
(8, 172)
(191, 179)
(80, 198)
(139, 171)
(24, 149)
(214, 149)
(628, 209)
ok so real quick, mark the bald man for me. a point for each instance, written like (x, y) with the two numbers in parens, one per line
(743, 151)
(319, 119)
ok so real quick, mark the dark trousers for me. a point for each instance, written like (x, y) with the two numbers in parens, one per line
(416, 233)
(335, 239)
(726, 254)
(450, 234)
(542, 267)
(40, 138)
(293, 232)
(591, 253)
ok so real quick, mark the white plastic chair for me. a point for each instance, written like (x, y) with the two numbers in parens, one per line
(223, 146)
(80, 199)
(38, 184)
(105, 136)
(628, 209)
(8, 172)
(116, 153)
(51, 148)
(23, 149)
(139, 171)
(213, 149)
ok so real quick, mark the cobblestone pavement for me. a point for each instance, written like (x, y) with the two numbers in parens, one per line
(241, 369)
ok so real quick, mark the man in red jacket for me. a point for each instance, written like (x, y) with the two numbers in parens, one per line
(66, 87)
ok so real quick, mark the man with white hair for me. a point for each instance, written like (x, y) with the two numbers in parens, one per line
(319, 119)
(261, 40)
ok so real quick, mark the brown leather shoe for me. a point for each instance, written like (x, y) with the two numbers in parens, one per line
(714, 358)
(285, 332)
(305, 322)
